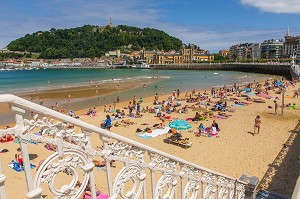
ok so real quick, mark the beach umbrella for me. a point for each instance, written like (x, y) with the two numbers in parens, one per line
(278, 83)
(180, 125)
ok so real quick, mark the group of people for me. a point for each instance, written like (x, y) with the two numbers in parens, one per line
(211, 130)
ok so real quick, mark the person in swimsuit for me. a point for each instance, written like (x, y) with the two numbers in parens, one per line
(19, 157)
(257, 124)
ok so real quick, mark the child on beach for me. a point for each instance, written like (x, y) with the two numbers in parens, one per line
(201, 128)
(19, 158)
(257, 123)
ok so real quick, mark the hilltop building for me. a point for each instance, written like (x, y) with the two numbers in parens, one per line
(115, 53)
(110, 24)
(291, 45)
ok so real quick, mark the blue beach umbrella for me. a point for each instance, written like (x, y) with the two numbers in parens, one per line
(180, 125)
(278, 83)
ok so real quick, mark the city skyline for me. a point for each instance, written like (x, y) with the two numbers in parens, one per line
(212, 25)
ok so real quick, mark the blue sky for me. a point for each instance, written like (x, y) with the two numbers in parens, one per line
(211, 24)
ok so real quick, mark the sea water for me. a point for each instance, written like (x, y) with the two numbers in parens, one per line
(165, 81)
(17, 81)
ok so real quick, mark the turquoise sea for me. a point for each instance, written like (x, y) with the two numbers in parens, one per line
(29, 80)
(18, 81)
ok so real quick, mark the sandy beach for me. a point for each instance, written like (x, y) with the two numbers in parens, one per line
(235, 151)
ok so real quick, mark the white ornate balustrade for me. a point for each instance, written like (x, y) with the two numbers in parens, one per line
(141, 172)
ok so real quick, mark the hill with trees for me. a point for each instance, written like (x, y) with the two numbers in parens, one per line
(93, 41)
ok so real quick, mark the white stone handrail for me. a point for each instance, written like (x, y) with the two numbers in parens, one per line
(194, 181)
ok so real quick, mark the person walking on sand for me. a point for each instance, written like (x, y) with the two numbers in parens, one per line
(257, 123)
(276, 107)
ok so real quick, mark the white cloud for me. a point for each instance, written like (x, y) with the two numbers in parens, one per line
(217, 39)
(275, 6)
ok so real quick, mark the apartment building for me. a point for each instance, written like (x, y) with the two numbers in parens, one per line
(240, 51)
(272, 48)
(291, 45)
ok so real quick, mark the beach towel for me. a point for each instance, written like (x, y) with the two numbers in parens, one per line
(16, 140)
(240, 105)
(250, 93)
(219, 117)
(15, 166)
(99, 196)
(144, 136)
(155, 133)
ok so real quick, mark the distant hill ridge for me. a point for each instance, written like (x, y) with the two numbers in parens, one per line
(93, 41)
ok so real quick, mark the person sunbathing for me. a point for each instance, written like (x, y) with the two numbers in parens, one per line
(160, 126)
(7, 138)
(223, 114)
(51, 147)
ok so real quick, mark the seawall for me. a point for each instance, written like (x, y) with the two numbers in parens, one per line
(266, 68)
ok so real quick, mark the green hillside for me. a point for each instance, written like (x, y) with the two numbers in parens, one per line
(93, 41)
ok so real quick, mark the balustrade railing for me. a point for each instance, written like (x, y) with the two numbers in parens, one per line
(141, 171)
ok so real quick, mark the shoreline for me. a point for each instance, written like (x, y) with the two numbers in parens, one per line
(94, 95)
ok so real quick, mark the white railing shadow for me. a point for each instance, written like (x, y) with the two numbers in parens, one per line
(167, 176)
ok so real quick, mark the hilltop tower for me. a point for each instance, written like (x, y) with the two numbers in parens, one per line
(110, 22)
(288, 34)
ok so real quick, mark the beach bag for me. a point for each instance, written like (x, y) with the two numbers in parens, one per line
(173, 131)
(148, 130)
(139, 130)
